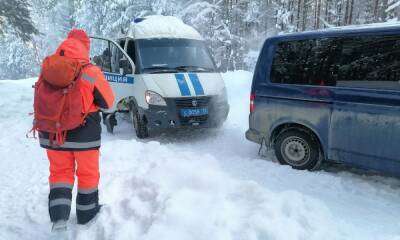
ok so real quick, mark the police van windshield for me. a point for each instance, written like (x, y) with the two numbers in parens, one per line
(174, 55)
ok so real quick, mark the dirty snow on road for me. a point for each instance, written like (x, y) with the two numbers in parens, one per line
(207, 184)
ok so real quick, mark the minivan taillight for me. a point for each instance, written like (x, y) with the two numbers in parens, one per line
(252, 96)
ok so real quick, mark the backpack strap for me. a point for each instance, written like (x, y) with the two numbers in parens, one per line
(34, 127)
(83, 66)
(86, 113)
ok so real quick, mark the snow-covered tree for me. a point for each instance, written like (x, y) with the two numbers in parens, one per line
(393, 10)
(15, 17)
(206, 17)
(16, 58)
(234, 29)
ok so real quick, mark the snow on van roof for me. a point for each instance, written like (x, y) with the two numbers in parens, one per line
(158, 26)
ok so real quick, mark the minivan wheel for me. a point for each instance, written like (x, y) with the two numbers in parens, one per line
(138, 123)
(298, 149)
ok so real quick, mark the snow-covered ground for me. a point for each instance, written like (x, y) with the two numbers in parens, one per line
(193, 185)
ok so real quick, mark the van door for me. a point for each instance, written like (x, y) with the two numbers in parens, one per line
(116, 65)
(365, 123)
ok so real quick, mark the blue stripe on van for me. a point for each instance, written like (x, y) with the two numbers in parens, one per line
(196, 84)
(183, 86)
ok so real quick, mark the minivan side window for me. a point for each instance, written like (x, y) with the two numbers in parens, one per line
(360, 62)
(116, 55)
(105, 55)
(131, 51)
(100, 54)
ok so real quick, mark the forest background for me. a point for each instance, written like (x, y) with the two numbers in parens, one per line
(234, 29)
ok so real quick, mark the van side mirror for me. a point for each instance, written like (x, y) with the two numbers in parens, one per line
(124, 67)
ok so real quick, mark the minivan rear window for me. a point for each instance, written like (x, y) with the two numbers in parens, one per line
(360, 62)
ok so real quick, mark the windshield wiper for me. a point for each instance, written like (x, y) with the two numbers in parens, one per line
(160, 69)
(193, 68)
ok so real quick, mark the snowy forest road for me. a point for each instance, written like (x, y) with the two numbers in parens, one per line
(207, 184)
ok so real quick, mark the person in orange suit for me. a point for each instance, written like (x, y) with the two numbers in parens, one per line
(79, 155)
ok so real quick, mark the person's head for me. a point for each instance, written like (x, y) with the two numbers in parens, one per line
(77, 45)
(81, 36)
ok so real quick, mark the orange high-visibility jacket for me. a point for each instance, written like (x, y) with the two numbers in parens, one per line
(96, 93)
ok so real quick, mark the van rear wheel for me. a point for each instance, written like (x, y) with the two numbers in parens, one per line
(138, 123)
(298, 149)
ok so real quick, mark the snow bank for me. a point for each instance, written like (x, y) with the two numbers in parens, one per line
(157, 26)
(196, 185)
(189, 196)
(238, 84)
(250, 59)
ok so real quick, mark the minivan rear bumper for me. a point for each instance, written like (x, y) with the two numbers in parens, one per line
(254, 136)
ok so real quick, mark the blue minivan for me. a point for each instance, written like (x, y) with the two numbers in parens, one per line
(330, 95)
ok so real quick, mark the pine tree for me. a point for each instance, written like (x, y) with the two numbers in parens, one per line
(393, 10)
(234, 29)
(15, 17)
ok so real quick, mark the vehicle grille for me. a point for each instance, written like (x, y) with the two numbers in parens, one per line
(188, 102)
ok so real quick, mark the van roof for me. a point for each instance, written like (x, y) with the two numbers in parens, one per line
(158, 26)
(377, 28)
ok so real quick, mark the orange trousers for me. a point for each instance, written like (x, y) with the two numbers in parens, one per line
(64, 165)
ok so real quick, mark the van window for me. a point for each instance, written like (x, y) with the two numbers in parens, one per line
(121, 43)
(165, 54)
(116, 56)
(361, 62)
(131, 51)
(100, 54)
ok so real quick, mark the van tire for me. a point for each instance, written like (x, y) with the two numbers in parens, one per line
(297, 148)
(138, 122)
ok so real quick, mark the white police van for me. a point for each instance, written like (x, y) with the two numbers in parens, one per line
(163, 75)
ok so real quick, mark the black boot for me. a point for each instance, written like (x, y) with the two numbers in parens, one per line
(60, 203)
(87, 206)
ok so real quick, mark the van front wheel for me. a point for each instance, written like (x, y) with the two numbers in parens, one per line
(298, 149)
(138, 123)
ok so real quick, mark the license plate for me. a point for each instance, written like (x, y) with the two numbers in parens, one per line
(193, 112)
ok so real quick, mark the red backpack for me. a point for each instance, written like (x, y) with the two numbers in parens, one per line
(58, 101)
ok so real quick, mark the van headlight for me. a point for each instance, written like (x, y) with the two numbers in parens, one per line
(153, 98)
